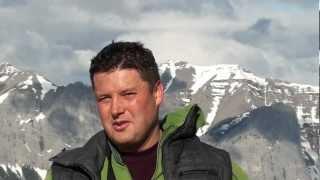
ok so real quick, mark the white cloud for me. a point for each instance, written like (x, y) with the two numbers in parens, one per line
(83, 57)
(62, 36)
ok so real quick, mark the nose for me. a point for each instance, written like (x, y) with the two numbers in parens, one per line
(117, 108)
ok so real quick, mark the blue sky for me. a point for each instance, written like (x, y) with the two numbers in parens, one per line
(57, 38)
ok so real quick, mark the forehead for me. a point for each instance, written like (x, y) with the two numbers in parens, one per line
(118, 78)
(118, 73)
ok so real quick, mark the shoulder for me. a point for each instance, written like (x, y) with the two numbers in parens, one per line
(94, 144)
(199, 156)
(68, 163)
(207, 151)
(199, 153)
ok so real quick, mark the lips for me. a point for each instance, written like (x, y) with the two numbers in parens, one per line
(120, 125)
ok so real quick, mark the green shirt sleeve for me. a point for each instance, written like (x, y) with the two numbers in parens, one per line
(49, 175)
(238, 173)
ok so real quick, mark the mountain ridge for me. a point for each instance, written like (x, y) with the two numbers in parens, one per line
(42, 118)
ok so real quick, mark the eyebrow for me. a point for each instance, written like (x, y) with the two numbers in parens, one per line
(129, 89)
(122, 91)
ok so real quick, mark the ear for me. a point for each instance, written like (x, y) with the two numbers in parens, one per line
(158, 92)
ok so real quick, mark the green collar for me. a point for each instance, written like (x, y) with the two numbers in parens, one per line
(171, 122)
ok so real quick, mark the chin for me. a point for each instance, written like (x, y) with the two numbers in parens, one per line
(126, 145)
(122, 142)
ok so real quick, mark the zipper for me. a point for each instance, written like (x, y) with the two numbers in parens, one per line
(199, 171)
(190, 114)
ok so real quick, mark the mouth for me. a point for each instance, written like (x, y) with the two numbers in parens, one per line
(120, 125)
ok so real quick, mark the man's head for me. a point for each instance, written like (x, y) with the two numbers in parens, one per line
(128, 91)
(126, 55)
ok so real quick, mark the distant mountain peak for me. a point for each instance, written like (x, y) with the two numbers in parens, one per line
(8, 69)
(15, 79)
(214, 86)
(202, 74)
(223, 72)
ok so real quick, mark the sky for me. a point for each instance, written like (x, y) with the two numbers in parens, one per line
(57, 38)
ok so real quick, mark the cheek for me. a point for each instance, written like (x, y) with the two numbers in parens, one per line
(145, 101)
(103, 112)
(144, 108)
(138, 108)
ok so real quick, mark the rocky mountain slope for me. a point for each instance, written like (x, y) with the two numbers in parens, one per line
(38, 118)
(265, 141)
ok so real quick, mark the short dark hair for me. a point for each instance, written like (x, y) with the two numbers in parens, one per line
(126, 55)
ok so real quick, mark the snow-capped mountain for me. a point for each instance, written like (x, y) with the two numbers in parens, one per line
(39, 118)
(223, 85)
(13, 79)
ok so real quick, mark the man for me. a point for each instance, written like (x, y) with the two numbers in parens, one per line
(134, 143)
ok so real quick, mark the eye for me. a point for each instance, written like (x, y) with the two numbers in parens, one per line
(104, 99)
(129, 94)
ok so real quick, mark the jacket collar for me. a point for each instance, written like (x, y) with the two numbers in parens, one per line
(183, 122)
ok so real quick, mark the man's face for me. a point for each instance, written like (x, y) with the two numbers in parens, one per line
(128, 109)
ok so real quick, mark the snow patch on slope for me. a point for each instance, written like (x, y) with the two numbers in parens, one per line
(25, 121)
(25, 84)
(222, 72)
(240, 74)
(39, 117)
(234, 86)
(172, 69)
(27, 147)
(8, 69)
(300, 113)
(314, 114)
(4, 96)
(226, 127)
(162, 68)
(41, 172)
(307, 149)
(16, 169)
(210, 117)
(307, 117)
(49, 150)
(202, 75)
(4, 78)
(46, 85)
(301, 88)
(218, 91)
(4, 167)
